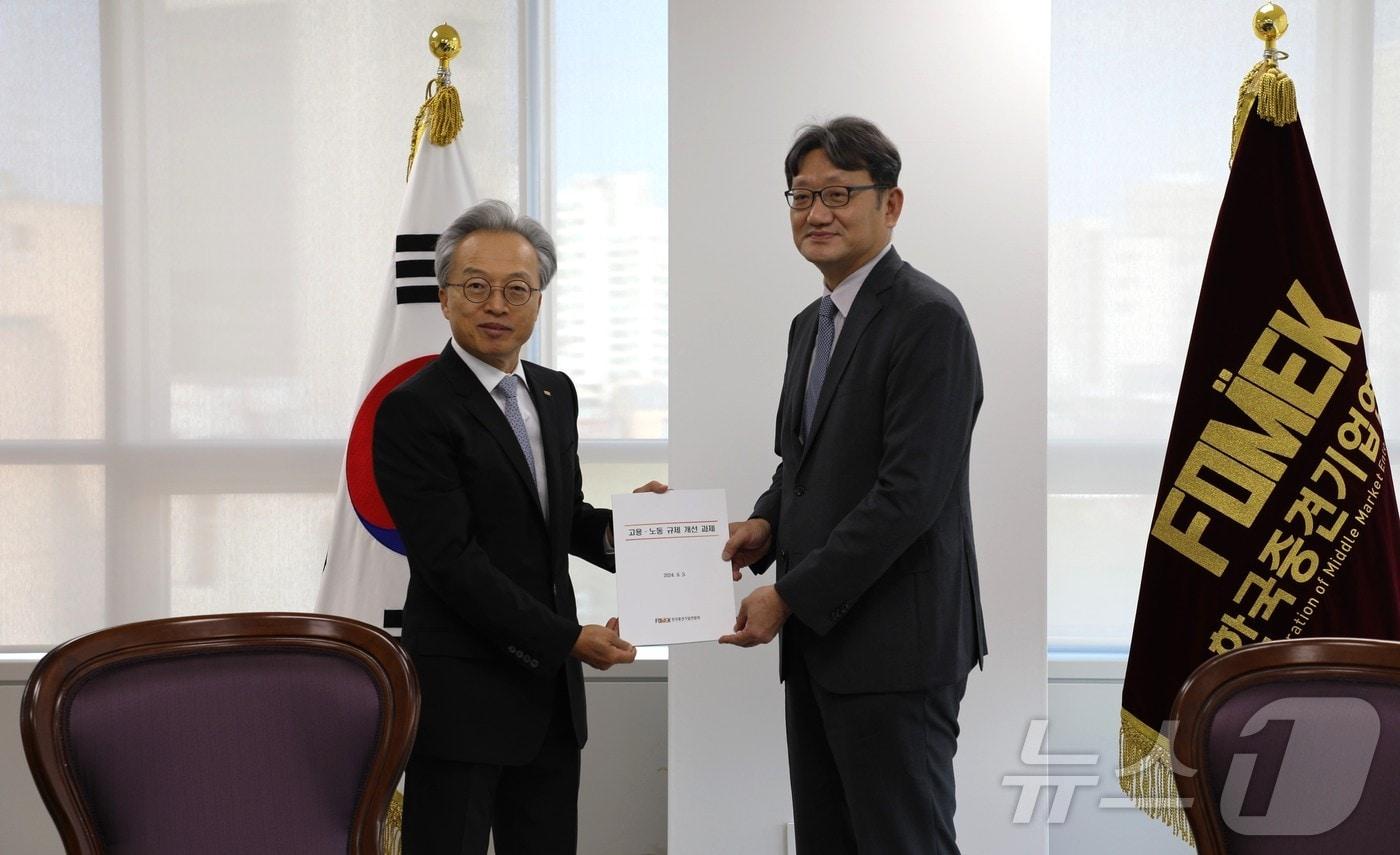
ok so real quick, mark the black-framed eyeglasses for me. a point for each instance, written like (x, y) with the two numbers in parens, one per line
(516, 292)
(835, 196)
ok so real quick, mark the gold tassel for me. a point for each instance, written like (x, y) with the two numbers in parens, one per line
(440, 116)
(1278, 101)
(1145, 774)
(393, 826)
(446, 118)
(1270, 91)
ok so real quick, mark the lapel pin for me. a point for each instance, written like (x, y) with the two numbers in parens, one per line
(546, 392)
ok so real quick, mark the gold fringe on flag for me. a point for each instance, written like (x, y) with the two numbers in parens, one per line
(392, 842)
(1269, 90)
(1266, 88)
(1145, 774)
(441, 114)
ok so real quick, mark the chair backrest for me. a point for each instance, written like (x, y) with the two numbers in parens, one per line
(216, 734)
(1292, 748)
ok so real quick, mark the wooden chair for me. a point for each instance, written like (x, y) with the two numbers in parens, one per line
(237, 733)
(1299, 741)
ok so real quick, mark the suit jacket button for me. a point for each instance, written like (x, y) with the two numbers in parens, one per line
(799, 490)
(511, 648)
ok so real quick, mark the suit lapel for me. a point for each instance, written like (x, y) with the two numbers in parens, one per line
(800, 362)
(479, 402)
(868, 304)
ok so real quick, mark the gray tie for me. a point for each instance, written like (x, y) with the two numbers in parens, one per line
(509, 387)
(826, 335)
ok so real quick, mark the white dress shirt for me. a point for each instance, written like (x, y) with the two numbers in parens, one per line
(490, 376)
(843, 296)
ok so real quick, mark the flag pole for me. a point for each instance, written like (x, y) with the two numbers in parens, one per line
(441, 116)
(1146, 762)
(366, 573)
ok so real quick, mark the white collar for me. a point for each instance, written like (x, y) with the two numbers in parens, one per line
(844, 294)
(489, 375)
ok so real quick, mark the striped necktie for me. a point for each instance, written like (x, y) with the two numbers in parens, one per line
(510, 387)
(826, 336)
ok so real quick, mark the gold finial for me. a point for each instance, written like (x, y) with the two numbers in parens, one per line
(445, 44)
(1270, 23)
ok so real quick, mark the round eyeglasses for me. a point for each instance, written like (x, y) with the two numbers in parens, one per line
(515, 292)
(835, 196)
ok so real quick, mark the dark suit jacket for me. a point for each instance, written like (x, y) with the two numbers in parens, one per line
(871, 516)
(489, 616)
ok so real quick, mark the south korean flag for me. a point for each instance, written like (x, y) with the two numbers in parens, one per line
(366, 571)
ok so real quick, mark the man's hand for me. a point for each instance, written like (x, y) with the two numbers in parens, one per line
(748, 541)
(602, 647)
(761, 615)
(648, 487)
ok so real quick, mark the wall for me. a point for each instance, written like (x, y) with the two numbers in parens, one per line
(963, 90)
(1085, 695)
(24, 823)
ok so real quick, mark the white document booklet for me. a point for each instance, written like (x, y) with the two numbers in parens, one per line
(672, 585)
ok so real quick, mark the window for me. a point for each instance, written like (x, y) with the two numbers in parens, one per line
(187, 292)
(609, 327)
(609, 214)
(1137, 174)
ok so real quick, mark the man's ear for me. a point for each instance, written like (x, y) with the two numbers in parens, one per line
(894, 205)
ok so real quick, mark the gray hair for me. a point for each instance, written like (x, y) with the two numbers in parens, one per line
(493, 215)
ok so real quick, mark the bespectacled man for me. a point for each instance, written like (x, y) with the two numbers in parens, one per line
(476, 456)
(868, 517)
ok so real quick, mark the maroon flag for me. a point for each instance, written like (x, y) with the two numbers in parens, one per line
(1275, 517)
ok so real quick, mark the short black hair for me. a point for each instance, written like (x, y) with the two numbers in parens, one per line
(852, 143)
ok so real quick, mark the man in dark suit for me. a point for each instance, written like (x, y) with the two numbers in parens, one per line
(477, 459)
(868, 517)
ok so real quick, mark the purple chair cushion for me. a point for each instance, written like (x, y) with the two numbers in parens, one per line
(1331, 756)
(236, 752)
